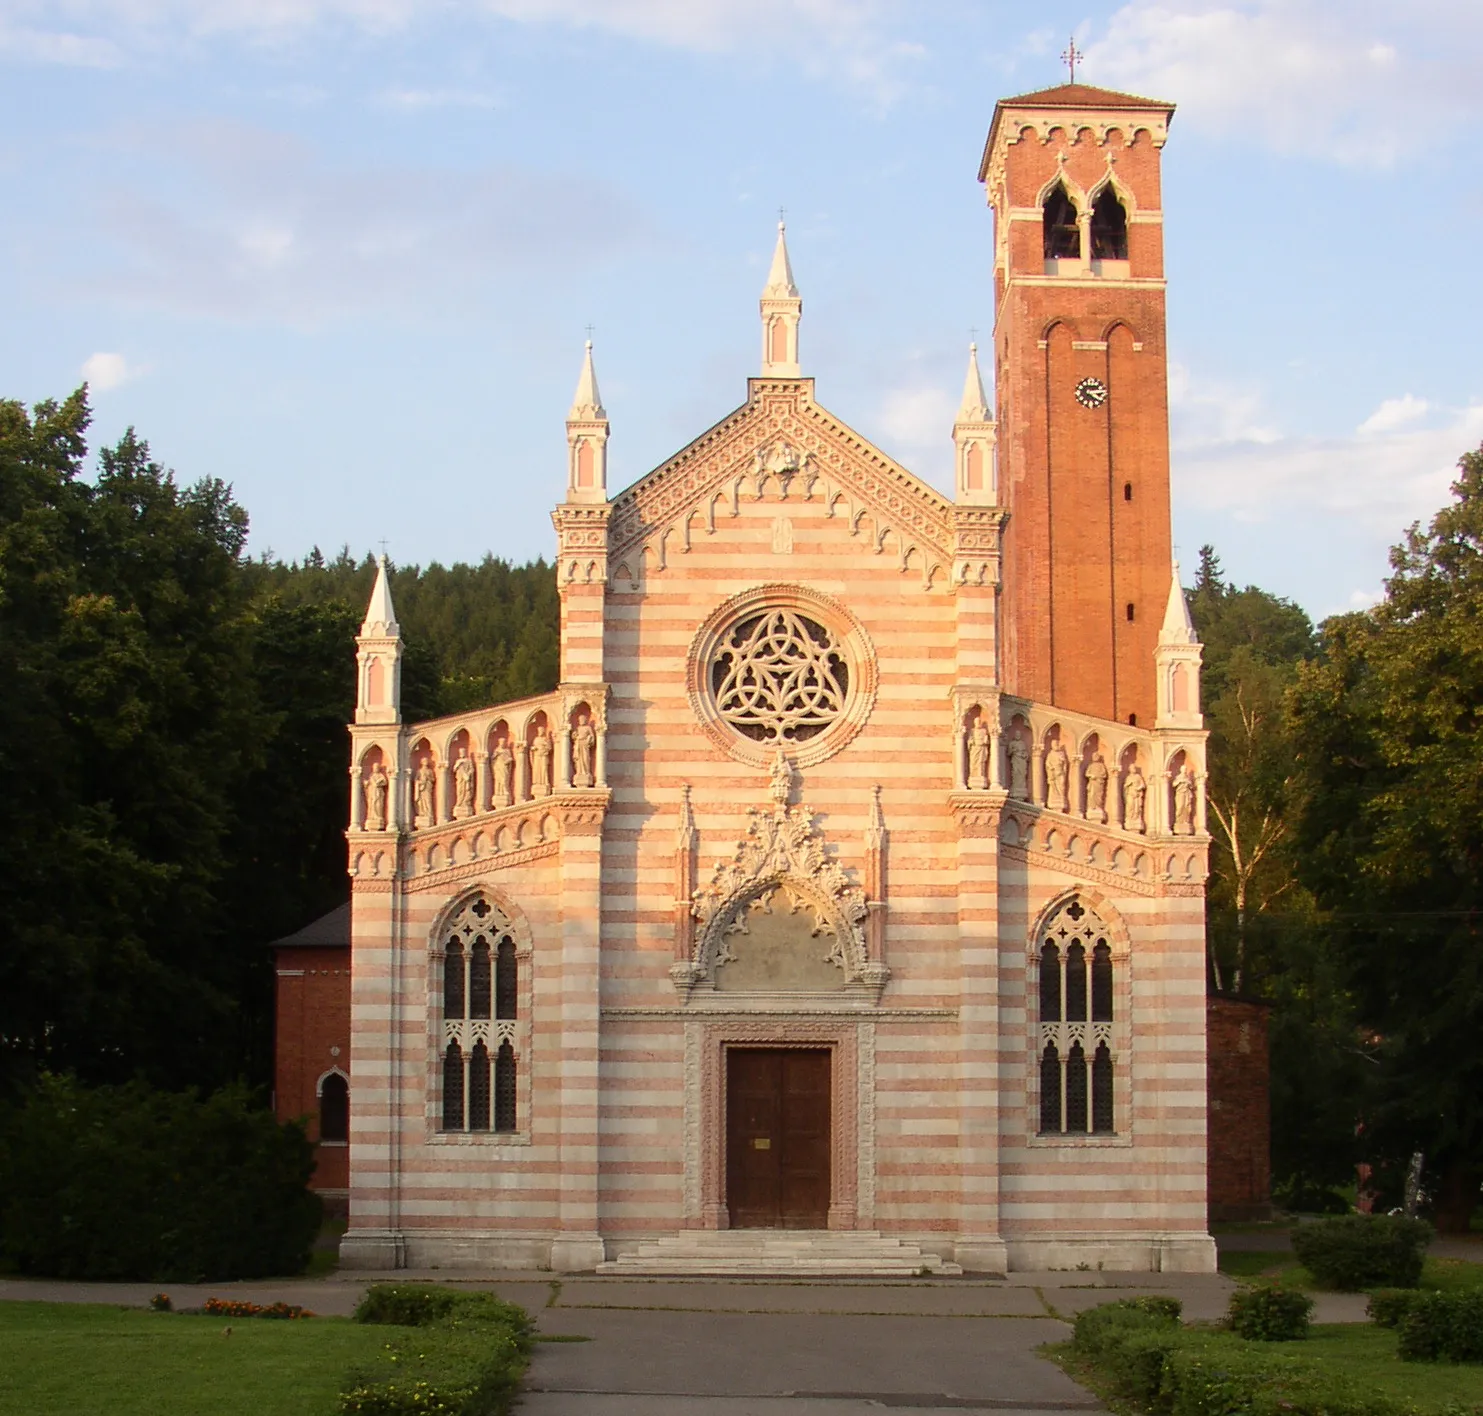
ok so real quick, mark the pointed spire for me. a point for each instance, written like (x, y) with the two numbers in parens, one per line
(1178, 627)
(875, 825)
(780, 277)
(685, 831)
(782, 308)
(975, 407)
(586, 403)
(380, 621)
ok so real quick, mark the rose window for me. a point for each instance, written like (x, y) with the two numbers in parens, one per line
(779, 677)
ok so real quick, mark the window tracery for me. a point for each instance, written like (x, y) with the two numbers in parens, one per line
(480, 1023)
(1076, 1028)
(779, 677)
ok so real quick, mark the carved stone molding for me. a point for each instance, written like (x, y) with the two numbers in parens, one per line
(1121, 880)
(782, 443)
(441, 877)
(582, 812)
(853, 643)
(977, 813)
(782, 850)
(852, 1109)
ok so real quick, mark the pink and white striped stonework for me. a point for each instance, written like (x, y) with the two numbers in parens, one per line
(787, 799)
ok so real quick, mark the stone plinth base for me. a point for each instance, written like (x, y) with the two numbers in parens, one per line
(981, 1253)
(1115, 1253)
(373, 1249)
(577, 1253)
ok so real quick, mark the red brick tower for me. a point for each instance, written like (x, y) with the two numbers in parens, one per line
(1073, 179)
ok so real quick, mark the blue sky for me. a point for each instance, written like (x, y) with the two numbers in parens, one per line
(342, 253)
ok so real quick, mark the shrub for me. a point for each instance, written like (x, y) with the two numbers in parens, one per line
(1266, 1312)
(404, 1304)
(1387, 1306)
(1130, 1340)
(465, 1359)
(1364, 1251)
(131, 1183)
(1442, 1327)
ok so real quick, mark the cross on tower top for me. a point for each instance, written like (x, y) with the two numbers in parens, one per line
(1071, 57)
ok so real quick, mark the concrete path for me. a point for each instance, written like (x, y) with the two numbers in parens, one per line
(716, 1347)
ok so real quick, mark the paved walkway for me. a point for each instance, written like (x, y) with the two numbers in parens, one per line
(669, 1347)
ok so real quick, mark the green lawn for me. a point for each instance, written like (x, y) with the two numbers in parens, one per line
(71, 1358)
(1448, 1275)
(1366, 1354)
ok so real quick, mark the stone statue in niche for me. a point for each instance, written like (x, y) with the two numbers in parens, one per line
(378, 787)
(1184, 803)
(503, 762)
(463, 785)
(1097, 789)
(1019, 769)
(978, 755)
(584, 753)
(1057, 771)
(424, 788)
(1134, 789)
(781, 779)
(540, 763)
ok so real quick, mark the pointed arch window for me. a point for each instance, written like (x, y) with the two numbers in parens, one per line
(483, 1028)
(1076, 1042)
(1109, 227)
(1060, 232)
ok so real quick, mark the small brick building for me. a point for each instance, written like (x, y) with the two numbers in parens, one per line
(1238, 1135)
(311, 1055)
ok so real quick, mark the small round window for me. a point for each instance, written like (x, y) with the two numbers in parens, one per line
(781, 668)
(779, 677)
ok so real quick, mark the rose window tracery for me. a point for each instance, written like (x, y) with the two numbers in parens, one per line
(779, 677)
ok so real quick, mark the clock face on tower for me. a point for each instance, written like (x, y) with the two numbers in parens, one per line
(1091, 393)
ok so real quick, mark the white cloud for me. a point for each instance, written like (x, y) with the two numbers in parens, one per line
(1395, 413)
(1208, 413)
(414, 100)
(240, 223)
(916, 426)
(851, 39)
(36, 46)
(1378, 482)
(108, 371)
(1353, 83)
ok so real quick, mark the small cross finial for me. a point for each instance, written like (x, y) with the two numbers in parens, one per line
(973, 335)
(589, 334)
(1071, 57)
(782, 212)
(383, 548)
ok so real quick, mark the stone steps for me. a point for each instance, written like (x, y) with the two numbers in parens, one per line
(778, 1253)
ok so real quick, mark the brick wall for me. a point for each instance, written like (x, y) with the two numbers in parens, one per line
(312, 1023)
(1239, 1132)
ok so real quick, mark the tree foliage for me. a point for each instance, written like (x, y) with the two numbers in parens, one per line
(173, 748)
(1388, 754)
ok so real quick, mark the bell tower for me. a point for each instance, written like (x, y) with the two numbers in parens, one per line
(1072, 176)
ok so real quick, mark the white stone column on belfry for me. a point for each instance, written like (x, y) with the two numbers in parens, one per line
(974, 434)
(378, 697)
(1177, 659)
(377, 1059)
(581, 522)
(782, 310)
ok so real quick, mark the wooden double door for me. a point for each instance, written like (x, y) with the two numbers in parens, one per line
(777, 1137)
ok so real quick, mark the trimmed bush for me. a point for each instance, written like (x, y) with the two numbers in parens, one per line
(1130, 1341)
(452, 1354)
(131, 1183)
(1266, 1312)
(1364, 1251)
(1387, 1306)
(1442, 1327)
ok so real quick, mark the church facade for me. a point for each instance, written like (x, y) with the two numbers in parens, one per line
(851, 882)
